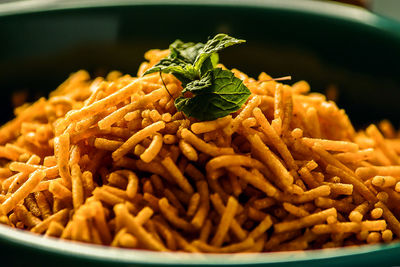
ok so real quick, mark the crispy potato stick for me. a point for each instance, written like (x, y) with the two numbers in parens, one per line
(193, 204)
(59, 190)
(136, 138)
(367, 172)
(204, 147)
(154, 148)
(167, 234)
(77, 187)
(32, 206)
(138, 231)
(87, 182)
(378, 225)
(225, 222)
(236, 187)
(387, 235)
(287, 109)
(274, 138)
(231, 160)
(5, 173)
(169, 139)
(110, 119)
(249, 122)
(188, 150)
(144, 215)
(184, 244)
(100, 223)
(244, 114)
(341, 146)
(263, 203)
(349, 179)
(329, 159)
(25, 216)
(261, 228)
(391, 220)
(256, 215)
(22, 192)
(172, 217)
(60, 216)
(204, 207)
(235, 226)
(376, 213)
(277, 239)
(133, 182)
(177, 175)
(255, 180)
(278, 103)
(128, 241)
(61, 151)
(341, 189)
(339, 205)
(340, 227)
(209, 126)
(11, 129)
(104, 103)
(51, 172)
(307, 196)
(205, 231)
(313, 125)
(19, 178)
(55, 229)
(269, 159)
(107, 197)
(106, 144)
(349, 157)
(296, 211)
(7, 153)
(380, 142)
(303, 222)
(308, 178)
(174, 201)
(43, 205)
(384, 181)
(80, 230)
(115, 242)
(373, 237)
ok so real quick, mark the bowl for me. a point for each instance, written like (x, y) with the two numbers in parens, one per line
(326, 44)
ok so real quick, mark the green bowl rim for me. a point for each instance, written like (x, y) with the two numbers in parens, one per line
(125, 256)
(330, 9)
(117, 255)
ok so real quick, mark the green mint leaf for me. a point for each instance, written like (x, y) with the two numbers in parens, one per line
(214, 92)
(209, 64)
(216, 95)
(183, 71)
(187, 52)
(180, 61)
(216, 44)
(199, 85)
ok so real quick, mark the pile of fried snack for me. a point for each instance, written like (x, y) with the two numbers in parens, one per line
(110, 161)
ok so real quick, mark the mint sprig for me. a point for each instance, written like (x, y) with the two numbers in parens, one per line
(209, 92)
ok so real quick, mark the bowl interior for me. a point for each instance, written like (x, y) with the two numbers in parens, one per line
(322, 43)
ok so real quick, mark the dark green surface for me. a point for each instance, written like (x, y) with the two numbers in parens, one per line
(354, 50)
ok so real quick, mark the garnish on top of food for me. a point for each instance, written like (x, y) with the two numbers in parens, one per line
(208, 92)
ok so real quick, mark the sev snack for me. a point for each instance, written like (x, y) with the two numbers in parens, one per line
(110, 161)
